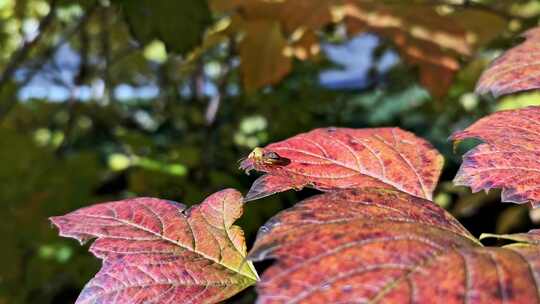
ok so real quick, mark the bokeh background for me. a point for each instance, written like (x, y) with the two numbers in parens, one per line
(110, 99)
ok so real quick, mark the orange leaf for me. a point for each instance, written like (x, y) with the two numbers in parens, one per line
(424, 36)
(263, 61)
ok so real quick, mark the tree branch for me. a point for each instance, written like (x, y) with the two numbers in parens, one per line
(39, 63)
(106, 53)
(215, 101)
(22, 53)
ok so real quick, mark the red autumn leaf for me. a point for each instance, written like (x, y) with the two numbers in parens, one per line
(339, 158)
(516, 70)
(509, 157)
(385, 246)
(157, 251)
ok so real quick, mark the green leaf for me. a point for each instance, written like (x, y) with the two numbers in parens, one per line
(179, 24)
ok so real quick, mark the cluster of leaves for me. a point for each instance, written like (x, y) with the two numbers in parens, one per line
(374, 235)
(433, 42)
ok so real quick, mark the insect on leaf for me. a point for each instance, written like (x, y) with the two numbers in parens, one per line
(384, 246)
(157, 251)
(338, 158)
(516, 70)
(507, 159)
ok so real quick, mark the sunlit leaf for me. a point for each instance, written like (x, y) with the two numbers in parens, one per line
(507, 159)
(432, 41)
(157, 251)
(516, 70)
(262, 57)
(384, 246)
(338, 158)
(291, 14)
(518, 101)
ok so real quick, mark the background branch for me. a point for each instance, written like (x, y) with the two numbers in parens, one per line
(38, 64)
(22, 53)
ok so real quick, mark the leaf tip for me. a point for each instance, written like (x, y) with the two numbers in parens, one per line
(62, 224)
(487, 236)
(56, 221)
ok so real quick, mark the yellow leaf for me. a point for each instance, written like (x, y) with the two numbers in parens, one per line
(263, 61)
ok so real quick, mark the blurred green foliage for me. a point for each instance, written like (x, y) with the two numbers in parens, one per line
(184, 142)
